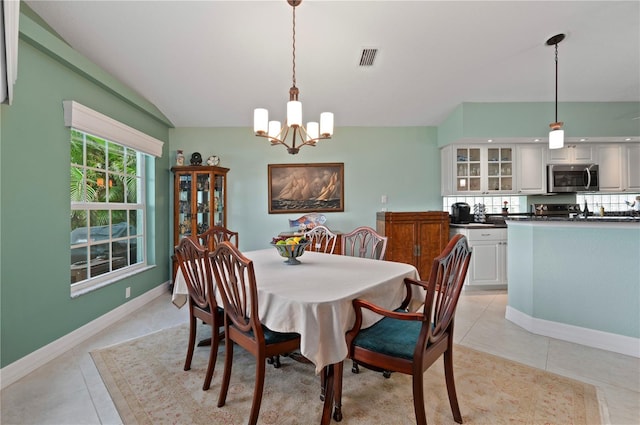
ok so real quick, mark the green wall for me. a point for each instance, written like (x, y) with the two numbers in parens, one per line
(402, 163)
(36, 306)
(523, 120)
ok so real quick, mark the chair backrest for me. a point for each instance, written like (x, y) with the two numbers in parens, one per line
(236, 280)
(216, 234)
(364, 242)
(321, 239)
(195, 265)
(445, 286)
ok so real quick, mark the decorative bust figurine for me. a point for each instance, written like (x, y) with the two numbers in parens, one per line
(179, 158)
(196, 158)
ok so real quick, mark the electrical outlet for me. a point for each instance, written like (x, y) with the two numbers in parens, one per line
(127, 292)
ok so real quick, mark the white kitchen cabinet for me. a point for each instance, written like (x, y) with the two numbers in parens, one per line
(488, 265)
(477, 170)
(531, 169)
(447, 178)
(571, 154)
(610, 162)
(632, 167)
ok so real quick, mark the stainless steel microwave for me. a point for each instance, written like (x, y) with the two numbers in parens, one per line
(569, 178)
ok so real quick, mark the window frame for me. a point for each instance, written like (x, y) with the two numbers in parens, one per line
(96, 125)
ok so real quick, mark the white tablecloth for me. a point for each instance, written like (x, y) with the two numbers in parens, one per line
(314, 298)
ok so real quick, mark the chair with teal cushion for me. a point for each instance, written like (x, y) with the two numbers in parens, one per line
(236, 281)
(410, 342)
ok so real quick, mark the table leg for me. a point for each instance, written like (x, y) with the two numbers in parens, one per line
(337, 391)
(328, 373)
(332, 391)
(207, 342)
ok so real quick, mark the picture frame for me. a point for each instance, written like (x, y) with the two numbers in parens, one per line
(295, 188)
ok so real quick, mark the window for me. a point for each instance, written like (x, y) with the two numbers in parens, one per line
(107, 207)
(107, 195)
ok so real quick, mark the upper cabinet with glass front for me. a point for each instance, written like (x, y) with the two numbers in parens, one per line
(477, 170)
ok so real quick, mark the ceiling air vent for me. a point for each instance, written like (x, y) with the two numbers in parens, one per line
(367, 57)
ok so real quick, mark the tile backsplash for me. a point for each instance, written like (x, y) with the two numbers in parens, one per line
(610, 202)
(493, 204)
(519, 204)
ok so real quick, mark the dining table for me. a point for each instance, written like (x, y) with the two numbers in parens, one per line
(314, 299)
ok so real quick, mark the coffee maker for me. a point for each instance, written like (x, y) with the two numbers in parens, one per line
(460, 213)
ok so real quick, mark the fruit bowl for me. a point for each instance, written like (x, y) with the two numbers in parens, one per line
(291, 251)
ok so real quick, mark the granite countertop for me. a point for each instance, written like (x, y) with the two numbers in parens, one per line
(593, 219)
(488, 225)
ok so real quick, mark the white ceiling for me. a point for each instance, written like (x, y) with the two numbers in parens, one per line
(210, 63)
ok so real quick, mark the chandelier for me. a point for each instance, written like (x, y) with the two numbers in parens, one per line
(300, 135)
(556, 135)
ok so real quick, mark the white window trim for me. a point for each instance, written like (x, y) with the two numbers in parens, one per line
(86, 119)
(10, 15)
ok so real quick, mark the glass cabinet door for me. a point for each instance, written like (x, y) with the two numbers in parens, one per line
(202, 204)
(468, 170)
(219, 200)
(185, 212)
(499, 169)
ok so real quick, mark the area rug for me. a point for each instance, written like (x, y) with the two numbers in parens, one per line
(148, 385)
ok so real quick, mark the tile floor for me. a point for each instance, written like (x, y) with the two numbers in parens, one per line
(69, 390)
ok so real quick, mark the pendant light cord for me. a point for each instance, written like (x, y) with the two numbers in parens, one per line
(556, 82)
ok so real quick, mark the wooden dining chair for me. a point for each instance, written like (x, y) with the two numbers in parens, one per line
(235, 279)
(408, 342)
(364, 242)
(321, 239)
(195, 265)
(216, 234)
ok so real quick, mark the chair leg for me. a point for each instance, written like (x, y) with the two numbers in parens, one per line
(228, 363)
(191, 343)
(418, 400)
(275, 361)
(257, 392)
(451, 386)
(213, 355)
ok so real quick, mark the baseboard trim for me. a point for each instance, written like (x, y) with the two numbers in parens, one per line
(584, 336)
(27, 364)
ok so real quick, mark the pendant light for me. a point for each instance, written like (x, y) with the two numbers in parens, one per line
(556, 135)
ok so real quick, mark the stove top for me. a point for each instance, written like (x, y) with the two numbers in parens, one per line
(556, 210)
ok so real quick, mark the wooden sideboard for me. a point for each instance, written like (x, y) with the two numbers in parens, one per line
(414, 237)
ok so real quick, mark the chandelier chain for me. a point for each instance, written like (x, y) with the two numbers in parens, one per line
(294, 46)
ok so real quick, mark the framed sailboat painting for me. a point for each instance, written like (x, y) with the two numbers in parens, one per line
(306, 187)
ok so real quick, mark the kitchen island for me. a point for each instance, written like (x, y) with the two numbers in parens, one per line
(576, 280)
